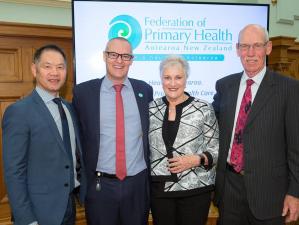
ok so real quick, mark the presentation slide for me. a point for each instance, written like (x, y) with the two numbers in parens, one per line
(204, 34)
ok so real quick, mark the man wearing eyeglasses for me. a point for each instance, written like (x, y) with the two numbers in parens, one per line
(116, 155)
(257, 179)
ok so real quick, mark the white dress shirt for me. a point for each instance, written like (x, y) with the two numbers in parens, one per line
(254, 88)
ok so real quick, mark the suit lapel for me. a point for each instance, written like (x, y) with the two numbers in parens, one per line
(95, 104)
(75, 124)
(93, 96)
(139, 95)
(230, 102)
(233, 90)
(263, 94)
(45, 113)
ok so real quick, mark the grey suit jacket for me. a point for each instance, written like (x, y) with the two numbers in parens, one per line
(271, 141)
(35, 163)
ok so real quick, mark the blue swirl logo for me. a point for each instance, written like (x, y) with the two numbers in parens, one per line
(127, 27)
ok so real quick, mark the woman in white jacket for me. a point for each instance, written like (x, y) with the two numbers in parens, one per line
(183, 138)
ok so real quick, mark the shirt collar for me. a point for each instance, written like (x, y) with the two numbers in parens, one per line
(109, 84)
(257, 78)
(46, 96)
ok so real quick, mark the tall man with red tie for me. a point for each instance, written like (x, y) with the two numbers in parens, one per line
(257, 178)
(113, 114)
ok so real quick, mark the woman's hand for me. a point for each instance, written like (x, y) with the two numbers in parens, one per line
(182, 163)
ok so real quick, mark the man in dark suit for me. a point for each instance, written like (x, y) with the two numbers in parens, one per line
(257, 178)
(112, 199)
(39, 168)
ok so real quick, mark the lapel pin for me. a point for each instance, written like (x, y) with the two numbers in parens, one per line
(140, 95)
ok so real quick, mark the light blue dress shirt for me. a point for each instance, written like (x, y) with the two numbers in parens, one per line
(53, 108)
(133, 132)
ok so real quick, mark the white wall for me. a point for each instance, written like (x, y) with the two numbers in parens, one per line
(39, 13)
(284, 18)
(284, 15)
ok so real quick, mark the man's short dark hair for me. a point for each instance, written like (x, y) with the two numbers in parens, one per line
(50, 47)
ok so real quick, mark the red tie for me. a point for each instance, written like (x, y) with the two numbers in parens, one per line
(236, 157)
(120, 159)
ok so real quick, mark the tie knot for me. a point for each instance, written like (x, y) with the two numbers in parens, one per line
(118, 87)
(249, 82)
(57, 100)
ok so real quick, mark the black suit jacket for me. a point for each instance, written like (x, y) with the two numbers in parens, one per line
(271, 141)
(86, 101)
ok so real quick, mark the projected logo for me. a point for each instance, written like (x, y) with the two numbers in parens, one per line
(127, 27)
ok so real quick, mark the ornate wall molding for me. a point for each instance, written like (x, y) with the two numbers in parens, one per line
(285, 56)
(30, 30)
(51, 3)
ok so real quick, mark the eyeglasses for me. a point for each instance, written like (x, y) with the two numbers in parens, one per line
(115, 55)
(255, 46)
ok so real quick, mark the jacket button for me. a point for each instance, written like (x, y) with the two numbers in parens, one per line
(66, 184)
(67, 166)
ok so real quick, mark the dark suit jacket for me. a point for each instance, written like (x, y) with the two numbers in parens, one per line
(271, 141)
(35, 163)
(86, 101)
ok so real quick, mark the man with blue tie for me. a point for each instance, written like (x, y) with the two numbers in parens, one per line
(43, 164)
(113, 115)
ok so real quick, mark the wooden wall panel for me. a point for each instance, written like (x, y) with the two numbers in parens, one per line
(10, 61)
(4, 103)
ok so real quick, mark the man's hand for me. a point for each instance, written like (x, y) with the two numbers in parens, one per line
(290, 208)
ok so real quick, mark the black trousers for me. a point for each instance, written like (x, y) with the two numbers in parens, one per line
(191, 210)
(234, 208)
(119, 202)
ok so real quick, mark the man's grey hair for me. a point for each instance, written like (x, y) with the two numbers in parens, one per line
(263, 29)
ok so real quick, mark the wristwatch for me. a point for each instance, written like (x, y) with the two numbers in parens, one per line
(202, 160)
